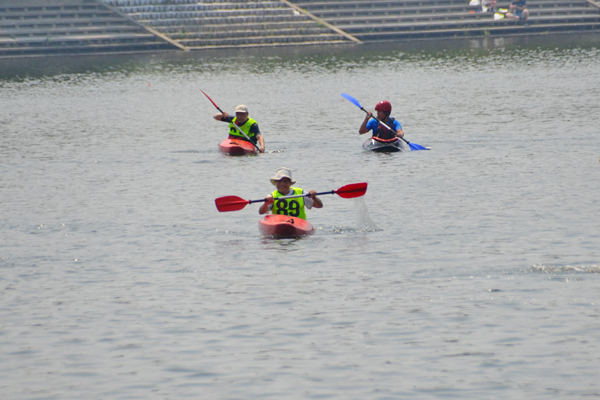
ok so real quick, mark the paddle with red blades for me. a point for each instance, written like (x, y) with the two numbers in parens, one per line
(238, 128)
(413, 146)
(235, 203)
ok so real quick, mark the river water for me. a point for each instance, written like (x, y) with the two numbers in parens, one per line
(470, 271)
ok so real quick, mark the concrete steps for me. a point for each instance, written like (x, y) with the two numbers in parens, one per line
(196, 24)
(34, 27)
(39, 27)
(375, 20)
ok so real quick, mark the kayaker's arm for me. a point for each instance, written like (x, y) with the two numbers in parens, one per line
(400, 133)
(261, 141)
(264, 208)
(221, 116)
(363, 127)
(317, 201)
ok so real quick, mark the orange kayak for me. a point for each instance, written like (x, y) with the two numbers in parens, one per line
(284, 226)
(236, 147)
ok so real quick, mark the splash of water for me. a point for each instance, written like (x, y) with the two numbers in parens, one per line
(364, 222)
(593, 269)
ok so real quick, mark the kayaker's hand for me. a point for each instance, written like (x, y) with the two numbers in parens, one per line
(363, 127)
(265, 206)
(219, 116)
(317, 202)
(261, 143)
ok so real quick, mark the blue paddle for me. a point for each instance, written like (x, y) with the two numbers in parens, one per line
(413, 146)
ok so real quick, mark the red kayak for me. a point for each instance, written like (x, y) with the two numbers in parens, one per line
(284, 226)
(236, 147)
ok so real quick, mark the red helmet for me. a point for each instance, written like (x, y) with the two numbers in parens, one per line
(384, 106)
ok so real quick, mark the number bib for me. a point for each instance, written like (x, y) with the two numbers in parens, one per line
(292, 207)
(288, 207)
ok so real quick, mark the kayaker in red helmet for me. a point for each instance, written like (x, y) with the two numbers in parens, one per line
(246, 124)
(384, 109)
(292, 207)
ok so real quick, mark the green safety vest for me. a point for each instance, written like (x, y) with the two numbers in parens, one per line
(292, 207)
(233, 131)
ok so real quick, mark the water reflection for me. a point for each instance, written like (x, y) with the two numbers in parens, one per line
(312, 59)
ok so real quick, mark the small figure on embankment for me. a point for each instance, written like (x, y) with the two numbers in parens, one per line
(518, 10)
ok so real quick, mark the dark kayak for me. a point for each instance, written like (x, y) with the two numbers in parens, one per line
(383, 145)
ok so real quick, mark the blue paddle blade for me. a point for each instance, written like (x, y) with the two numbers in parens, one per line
(351, 99)
(414, 146)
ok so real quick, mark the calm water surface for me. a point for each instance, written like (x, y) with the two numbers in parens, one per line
(469, 271)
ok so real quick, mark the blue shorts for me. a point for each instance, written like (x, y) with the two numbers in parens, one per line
(519, 13)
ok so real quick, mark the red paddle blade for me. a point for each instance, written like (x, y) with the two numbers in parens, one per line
(230, 203)
(352, 190)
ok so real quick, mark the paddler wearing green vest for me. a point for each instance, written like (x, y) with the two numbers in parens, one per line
(292, 207)
(246, 124)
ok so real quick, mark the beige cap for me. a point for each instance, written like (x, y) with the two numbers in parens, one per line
(241, 108)
(282, 173)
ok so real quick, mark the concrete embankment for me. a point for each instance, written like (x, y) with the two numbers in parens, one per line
(46, 27)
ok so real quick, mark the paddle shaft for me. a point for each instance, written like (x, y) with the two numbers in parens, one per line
(291, 197)
(234, 124)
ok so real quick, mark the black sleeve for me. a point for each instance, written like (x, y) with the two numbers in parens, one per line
(254, 129)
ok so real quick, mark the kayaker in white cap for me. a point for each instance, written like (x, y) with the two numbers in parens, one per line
(246, 124)
(292, 207)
